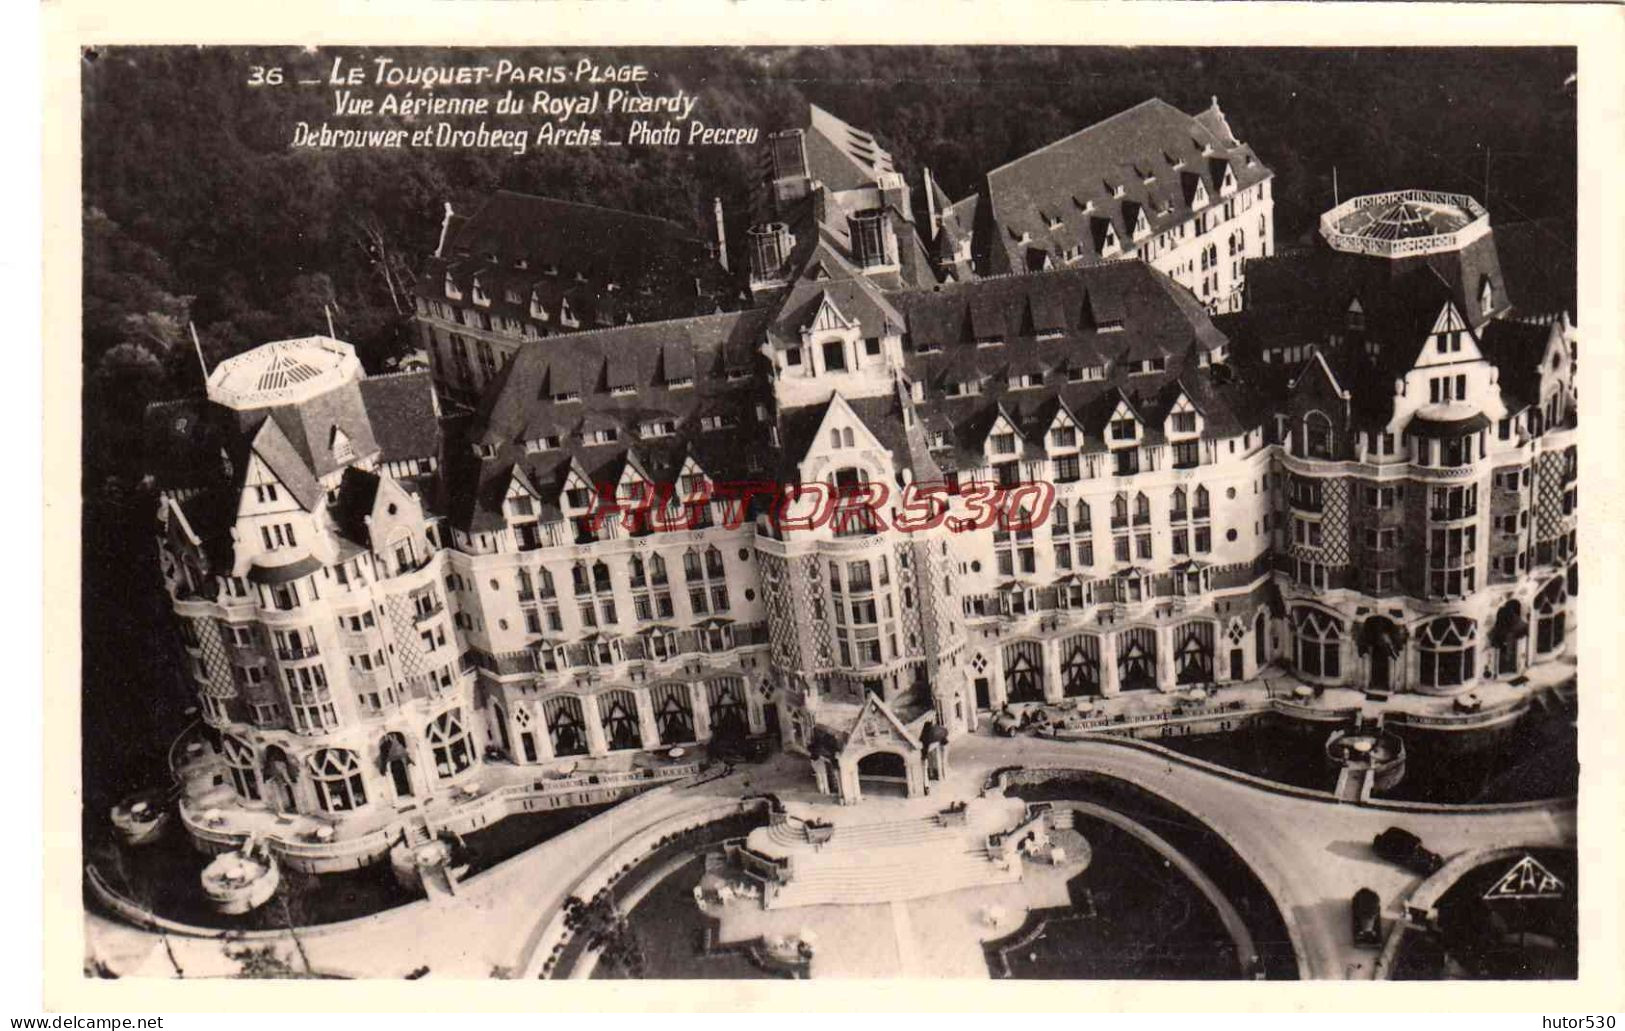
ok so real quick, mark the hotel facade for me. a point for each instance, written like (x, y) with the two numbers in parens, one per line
(1356, 463)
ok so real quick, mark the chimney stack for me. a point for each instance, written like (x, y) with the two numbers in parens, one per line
(722, 236)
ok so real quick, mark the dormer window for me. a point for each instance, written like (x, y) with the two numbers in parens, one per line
(567, 315)
(658, 428)
(566, 396)
(1003, 443)
(1025, 380)
(1486, 298)
(1183, 422)
(1117, 191)
(343, 451)
(452, 290)
(680, 382)
(1064, 437)
(485, 450)
(1125, 429)
(604, 436)
(1086, 373)
(512, 296)
(537, 312)
(480, 296)
(549, 442)
(1110, 245)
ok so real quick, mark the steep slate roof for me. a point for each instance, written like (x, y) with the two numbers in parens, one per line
(1154, 152)
(571, 255)
(1304, 297)
(278, 453)
(1538, 258)
(719, 351)
(841, 156)
(1158, 320)
(404, 415)
(1517, 349)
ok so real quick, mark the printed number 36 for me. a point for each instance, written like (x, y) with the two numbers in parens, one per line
(258, 76)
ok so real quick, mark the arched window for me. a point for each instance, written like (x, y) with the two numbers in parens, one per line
(336, 773)
(453, 752)
(691, 566)
(834, 438)
(579, 578)
(1137, 659)
(244, 777)
(1194, 658)
(713, 562)
(1024, 671)
(1317, 435)
(1446, 650)
(1201, 502)
(619, 712)
(1081, 523)
(1080, 670)
(545, 581)
(846, 437)
(635, 572)
(674, 713)
(600, 576)
(565, 726)
(727, 698)
(1319, 637)
(1177, 508)
(1120, 510)
(1549, 616)
(1142, 508)
(657, 570)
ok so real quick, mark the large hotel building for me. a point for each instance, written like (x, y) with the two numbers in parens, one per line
(1355, 461)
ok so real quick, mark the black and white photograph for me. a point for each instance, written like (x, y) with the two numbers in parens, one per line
(673, 513)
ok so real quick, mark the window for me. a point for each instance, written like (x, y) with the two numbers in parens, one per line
(336, 774)
(1446, 651)
(1318, 636)
(1317, 431)
(1187, 454)
(1550, 616)
(449, 742)
(1127, 461)
(244, 773)
(1067, 469)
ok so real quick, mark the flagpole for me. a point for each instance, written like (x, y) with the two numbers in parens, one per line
(329, 310)
(198, 345)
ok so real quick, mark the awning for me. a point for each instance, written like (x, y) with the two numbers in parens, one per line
(1436, 428)
(282, 574)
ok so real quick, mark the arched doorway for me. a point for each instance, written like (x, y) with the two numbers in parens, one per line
(883, 775)
(1260, 646)
(1507, 636)
(280, 773)
(501, 720)
(1024, 672)
(393, 759)
(1379, 638)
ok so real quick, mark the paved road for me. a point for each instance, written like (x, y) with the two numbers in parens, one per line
(1312, 855)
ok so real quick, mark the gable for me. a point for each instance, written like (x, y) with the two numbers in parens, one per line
(878, 727)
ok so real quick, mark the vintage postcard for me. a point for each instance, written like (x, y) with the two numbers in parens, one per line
(1072, 510)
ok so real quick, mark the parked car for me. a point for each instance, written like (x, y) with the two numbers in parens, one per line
(1365, 910)
(1400, 846)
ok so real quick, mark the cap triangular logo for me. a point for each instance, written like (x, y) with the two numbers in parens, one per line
(1526, 880)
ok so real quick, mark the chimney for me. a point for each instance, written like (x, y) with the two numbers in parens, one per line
(930, 204)
(445, 224)
(722, 235)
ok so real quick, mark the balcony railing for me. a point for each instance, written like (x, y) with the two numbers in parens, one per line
(292, 653)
